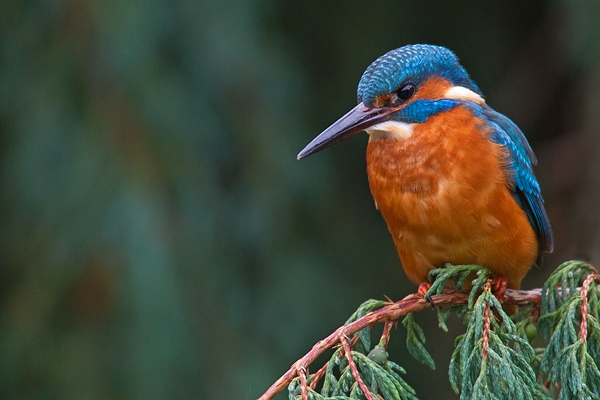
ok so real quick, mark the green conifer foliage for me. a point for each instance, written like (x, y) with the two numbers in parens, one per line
(493, 359)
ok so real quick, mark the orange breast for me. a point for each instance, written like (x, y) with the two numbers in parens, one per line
(445, 197)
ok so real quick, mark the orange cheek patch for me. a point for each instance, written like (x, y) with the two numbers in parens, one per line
(433, 88)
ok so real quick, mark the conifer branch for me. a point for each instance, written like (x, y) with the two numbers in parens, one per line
(571, 358)
(389, 314)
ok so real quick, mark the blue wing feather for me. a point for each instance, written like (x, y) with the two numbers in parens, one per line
(521, 160)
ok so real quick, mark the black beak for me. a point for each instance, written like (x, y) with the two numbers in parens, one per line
(356, 120)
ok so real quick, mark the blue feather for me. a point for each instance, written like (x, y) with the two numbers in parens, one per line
(525, 188)
(420, 110)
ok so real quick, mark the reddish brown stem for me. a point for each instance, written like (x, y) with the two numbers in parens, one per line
(585, 287)
(303, 387)
(486, 325)
(318, 375)
(385, 335)
(354, 369)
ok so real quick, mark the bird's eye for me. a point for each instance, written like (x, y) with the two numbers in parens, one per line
(406, 91)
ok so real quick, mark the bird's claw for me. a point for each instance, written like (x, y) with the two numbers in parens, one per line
(422, 292)
(499, 288)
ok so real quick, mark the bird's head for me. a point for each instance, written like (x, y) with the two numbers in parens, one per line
(403, 87)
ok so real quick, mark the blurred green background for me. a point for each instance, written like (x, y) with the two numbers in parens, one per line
(158, 238)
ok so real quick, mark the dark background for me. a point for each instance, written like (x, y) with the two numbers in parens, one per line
(158, 238)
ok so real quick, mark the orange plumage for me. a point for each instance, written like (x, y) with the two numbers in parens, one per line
(444, 196)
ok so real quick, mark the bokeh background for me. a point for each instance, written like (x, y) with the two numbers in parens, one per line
(158, 238)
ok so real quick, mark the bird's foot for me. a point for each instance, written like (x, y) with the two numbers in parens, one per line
(422, 292)
(499, 288)
(423, 288)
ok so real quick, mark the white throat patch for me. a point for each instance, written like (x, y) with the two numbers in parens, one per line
(392, 129)
(464, 94)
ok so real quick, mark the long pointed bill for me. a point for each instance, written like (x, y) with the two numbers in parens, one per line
(356, 120)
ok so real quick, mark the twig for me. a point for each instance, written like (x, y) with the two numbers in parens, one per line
(585, 287)
(354, 369)
(303, 387)
(392, 312)
(318, 375)
(486, 324)
(385, 335)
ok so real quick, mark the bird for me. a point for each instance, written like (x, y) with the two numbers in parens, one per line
(452, 177)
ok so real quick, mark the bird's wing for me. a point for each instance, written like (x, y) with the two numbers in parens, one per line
(525, 186)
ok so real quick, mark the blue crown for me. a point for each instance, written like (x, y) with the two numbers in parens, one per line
(413, 63)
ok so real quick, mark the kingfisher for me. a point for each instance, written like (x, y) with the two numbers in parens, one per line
(452, 178)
